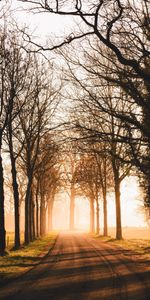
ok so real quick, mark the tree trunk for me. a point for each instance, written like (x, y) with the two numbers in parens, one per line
(37, 218)
(118, 210)
(33, 220)
(97, 217)
(42, 217)
(30, 217)
(27, 210)
(92, 225)
(50, 214)
(2, 218)
(72, 205)
(15, 191)
(16, 207)
(105, 213)
(117, 200)
(37, 209)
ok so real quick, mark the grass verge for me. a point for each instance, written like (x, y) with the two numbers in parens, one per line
(22, 260)
(139, 246)
(10, 239)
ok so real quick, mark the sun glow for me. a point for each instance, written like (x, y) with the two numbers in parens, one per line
(131, 203)
(131, 210)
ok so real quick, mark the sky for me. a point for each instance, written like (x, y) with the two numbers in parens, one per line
(43, 24)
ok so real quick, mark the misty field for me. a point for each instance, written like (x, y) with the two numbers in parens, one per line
(132, 232)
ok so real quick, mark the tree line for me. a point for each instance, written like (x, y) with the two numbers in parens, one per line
(29, 99)
(108, 83)
(111, 67)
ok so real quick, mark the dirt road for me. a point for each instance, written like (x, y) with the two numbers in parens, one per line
(82, 268)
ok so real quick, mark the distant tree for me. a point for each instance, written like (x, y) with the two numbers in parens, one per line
(88, 182)
(47, 181)
(84, 188)
(105, 177)
(54, 187)
(105, 131)
(69, 164)
(98, 128)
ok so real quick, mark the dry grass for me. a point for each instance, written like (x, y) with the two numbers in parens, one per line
(139, 246)
(134, 239)
(10, 239)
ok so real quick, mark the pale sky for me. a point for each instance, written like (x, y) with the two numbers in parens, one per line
(44, 24)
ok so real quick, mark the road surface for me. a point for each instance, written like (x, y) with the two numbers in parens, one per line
(83, 268)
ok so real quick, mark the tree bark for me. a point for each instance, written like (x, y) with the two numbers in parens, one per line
(37, 215)
(37, 210)
(27, 210)
(117, 199)
(2, 217)
(30, 217)
(42, 217)
(15, 191)
(16, 206)
(33, 220)
(118, 210)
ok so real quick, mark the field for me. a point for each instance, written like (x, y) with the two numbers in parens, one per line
(132, 232)
(134, 239)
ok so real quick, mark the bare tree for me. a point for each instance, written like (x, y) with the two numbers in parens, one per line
(47, 178)
(35, 122)
(17, 68)
(123, 29)
(12, 85)
(88, 180)
(3, 123)
(69, 164)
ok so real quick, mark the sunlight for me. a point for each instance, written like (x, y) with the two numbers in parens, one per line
(82, 212)
(61, 212)
(131, 210)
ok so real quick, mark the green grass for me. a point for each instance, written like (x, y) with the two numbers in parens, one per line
(10, 239)
(17, 262)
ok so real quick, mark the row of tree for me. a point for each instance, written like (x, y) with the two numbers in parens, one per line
(27, 106)
(114, 61)
(110, 84)
(108, 81)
